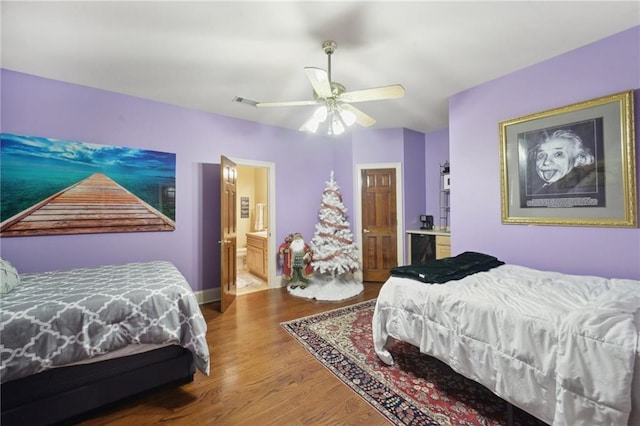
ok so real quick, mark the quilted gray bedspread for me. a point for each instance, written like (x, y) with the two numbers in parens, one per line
(56, 318)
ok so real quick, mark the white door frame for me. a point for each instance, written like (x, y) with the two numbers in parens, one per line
(399, 204)
(271, 212)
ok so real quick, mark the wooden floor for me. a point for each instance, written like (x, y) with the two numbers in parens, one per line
(259, 374)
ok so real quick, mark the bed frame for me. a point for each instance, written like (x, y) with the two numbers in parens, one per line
(64, 393)
(577, 385)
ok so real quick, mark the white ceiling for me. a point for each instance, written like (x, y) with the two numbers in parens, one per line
(202, 54)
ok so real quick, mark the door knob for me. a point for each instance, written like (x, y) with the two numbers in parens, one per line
(365, 231)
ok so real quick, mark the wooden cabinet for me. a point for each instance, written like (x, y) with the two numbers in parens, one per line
(443, 246)
(257, 255)
(428, 245)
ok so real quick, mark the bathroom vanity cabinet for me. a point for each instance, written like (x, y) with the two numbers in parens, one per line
(257, 254)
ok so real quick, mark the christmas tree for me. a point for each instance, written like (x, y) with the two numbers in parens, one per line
(333, 249)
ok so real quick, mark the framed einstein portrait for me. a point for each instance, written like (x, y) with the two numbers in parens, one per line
(573, 166)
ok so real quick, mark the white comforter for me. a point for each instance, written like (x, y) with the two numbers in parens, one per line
(561, 347)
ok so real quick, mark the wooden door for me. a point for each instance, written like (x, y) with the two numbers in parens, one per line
(228, 179)
(379, 223)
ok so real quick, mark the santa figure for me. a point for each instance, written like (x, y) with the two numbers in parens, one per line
(296, 261)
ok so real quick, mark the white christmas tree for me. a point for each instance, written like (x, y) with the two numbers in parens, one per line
(333, 249)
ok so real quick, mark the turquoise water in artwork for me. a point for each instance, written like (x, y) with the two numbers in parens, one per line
(34, 168)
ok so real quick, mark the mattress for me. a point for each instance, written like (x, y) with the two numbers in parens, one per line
(59, 318)
(561, 347)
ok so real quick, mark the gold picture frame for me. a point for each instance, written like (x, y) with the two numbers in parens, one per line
(571, 166)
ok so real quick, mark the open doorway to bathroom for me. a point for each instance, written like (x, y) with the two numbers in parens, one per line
(254, 252)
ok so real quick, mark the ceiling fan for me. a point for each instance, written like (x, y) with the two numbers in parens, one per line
(334, 101)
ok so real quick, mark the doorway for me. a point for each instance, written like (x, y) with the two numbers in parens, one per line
(255, 259)
(381, 242)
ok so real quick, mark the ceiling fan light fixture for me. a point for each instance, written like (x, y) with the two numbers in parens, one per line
(321, 114)
(337, 128)
(334, 112)
(348, 117)
(311, 125)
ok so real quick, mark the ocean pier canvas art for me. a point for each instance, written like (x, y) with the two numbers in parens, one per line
(54, 187)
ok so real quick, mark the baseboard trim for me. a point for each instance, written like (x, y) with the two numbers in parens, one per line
(213, 294)
(207, 296)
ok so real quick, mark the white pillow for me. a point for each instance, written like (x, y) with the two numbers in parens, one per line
(9, 278)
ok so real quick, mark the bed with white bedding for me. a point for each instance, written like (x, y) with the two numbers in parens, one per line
(71, 341)
(561, 347)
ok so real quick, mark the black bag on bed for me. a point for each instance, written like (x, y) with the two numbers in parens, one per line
(447, 269)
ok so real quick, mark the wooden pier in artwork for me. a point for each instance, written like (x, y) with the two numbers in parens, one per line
(94, 205)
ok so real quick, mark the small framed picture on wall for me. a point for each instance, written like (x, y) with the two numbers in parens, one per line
(244, 207)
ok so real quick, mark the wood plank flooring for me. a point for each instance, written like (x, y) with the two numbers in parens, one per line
(259, 374)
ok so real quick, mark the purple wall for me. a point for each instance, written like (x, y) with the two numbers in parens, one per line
(402, 146)
(608, 66)
(414, 183)
(381, 146)
(436, 153)
(343, 169)
(40, 107)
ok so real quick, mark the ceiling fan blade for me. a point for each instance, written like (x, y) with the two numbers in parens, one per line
(285, 103)
(310, 125)
(377, 93)
(273, 104)
(362, 119)
(320, 81)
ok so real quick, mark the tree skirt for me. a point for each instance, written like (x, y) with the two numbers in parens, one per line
(321, 288)
(416, 390)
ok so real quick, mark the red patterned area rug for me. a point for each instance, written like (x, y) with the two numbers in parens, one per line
(416, 390)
